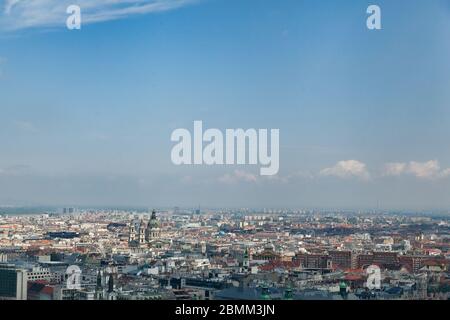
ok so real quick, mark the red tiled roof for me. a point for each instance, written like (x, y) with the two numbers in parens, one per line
(353, 277)
(280, 264)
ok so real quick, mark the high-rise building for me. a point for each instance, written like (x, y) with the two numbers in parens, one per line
(13, 283)
(313, 261)
(364, 260)
(343, 259)
(385, 259)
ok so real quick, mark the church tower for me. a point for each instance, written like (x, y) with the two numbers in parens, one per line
(110, 283)
(99, 287)
(132, 235)
(153, 231)
(246, 260)
(142, 233)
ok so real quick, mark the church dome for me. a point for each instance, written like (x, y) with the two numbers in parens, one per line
(153, 223)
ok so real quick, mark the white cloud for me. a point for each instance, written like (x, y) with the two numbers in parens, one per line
(21, 14)
(429, 169)
(238, 176)
(445, 173)
(394, 169)
(423, 170)
(347, 169)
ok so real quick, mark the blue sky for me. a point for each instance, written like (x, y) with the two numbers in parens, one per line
(363, 115)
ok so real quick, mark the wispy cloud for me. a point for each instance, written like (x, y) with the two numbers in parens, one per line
(245, 177)
(347, 169)
(423, 170)
(238, 176)
(14, 170)
(25, 126)
(394, 169)
(22, 14)
(292, 177)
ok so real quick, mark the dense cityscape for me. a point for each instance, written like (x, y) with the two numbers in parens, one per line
(202, 254)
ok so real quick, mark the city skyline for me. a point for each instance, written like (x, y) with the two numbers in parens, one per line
(106, 254)
(363, 114)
